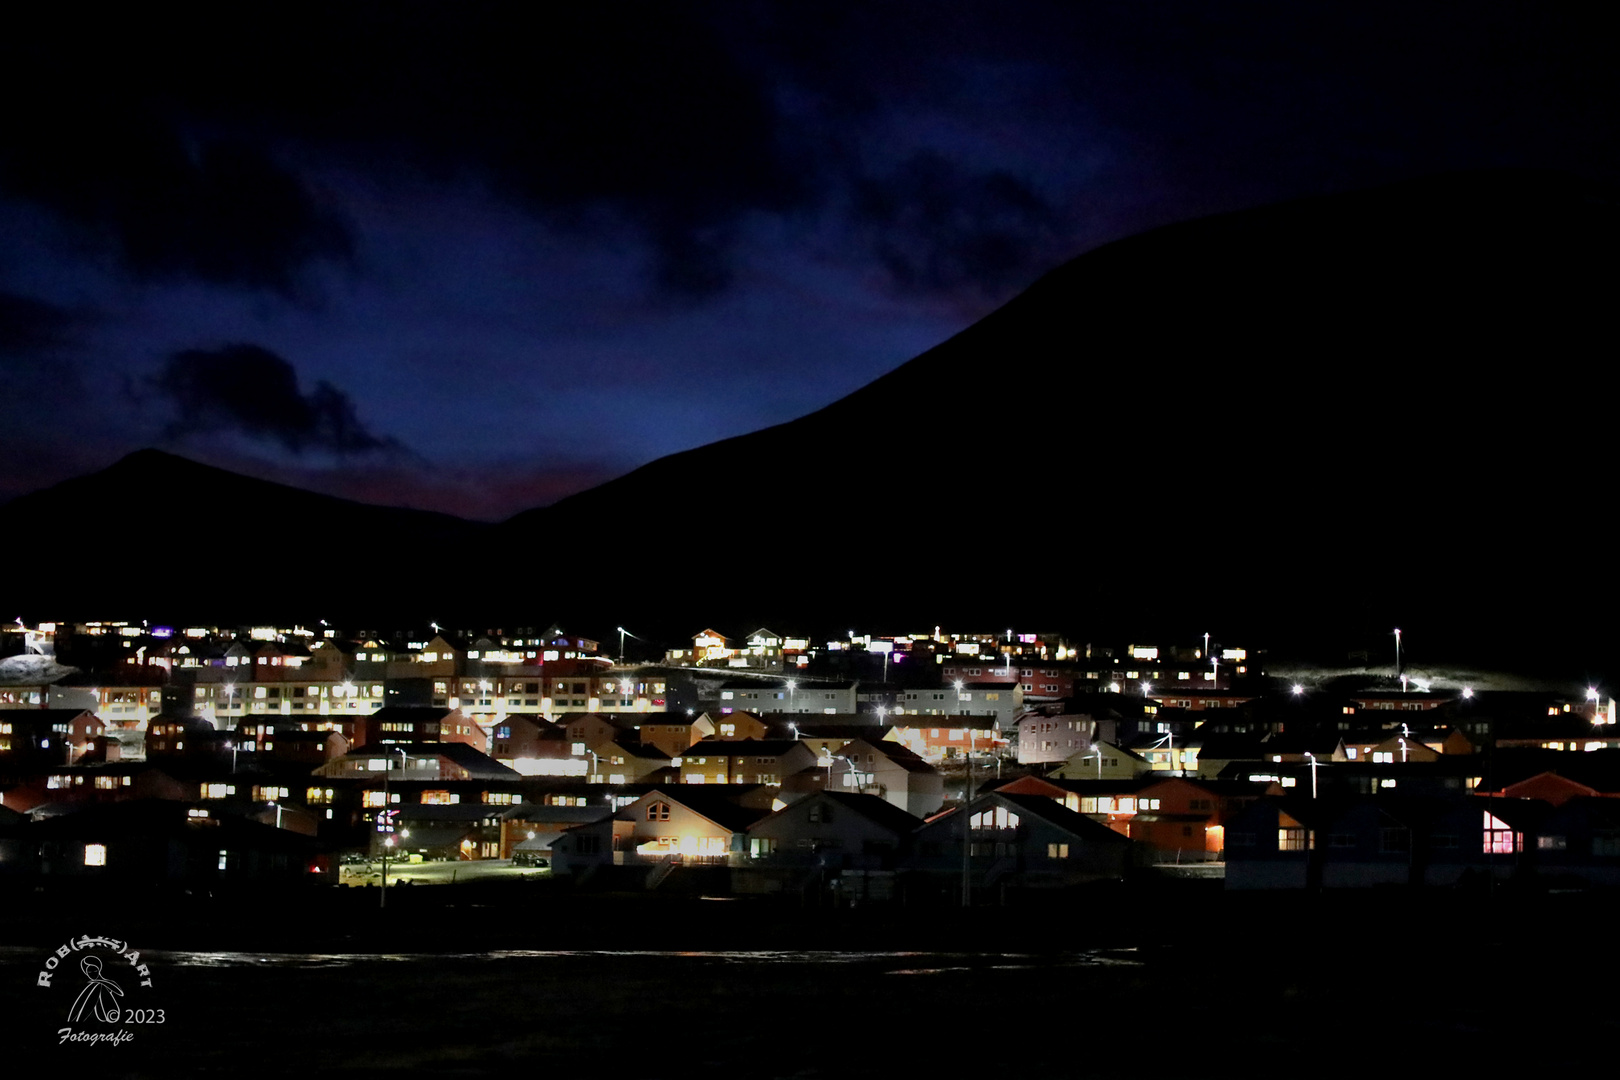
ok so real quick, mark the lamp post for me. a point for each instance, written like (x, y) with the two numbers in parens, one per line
(388, 841)
(1313, 772)
(621, 645)
(1397, 650)
(277, 805)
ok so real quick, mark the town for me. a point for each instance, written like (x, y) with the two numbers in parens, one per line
(931, 769)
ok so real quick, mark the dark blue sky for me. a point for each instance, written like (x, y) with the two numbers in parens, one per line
(476, 257)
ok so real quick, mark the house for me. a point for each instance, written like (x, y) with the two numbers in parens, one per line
(461, 831)
(1269, 843)
(734, 725)
(166, 843)
(424, 761)
(528, 831)
(1045, 738)
(710, 648)
(626, 762)
(588, 732)
(282, 741)
(763, 652)
(189, 739)
(1101, 761)
(673, 734)
(418, 723)
(789, 696)
(533, 746)
(743, 761)
(1296, 842)
(818, 839)
(1016, 842)
(891, 771)
(1001, 700)
(946, 737)
(32, 738)
(665, 824)
(102, 782)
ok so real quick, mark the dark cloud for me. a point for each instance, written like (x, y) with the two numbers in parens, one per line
(29, 326)
(940, 228)
(250, 389)
(156, 126)
(170, 206)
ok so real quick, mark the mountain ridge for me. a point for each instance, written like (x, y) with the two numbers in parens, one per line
(1240, 420)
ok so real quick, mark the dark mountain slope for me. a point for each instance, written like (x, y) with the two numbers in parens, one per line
(160, 537)
(1319, 418)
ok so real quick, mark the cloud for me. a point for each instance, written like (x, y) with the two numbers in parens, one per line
(169, 207)
(185, 138)
(943, 229)
(29, 326)
(251, 390)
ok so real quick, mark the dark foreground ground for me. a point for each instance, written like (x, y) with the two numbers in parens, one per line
(1168, 983)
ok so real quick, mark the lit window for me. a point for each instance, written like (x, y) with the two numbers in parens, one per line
(95, 854)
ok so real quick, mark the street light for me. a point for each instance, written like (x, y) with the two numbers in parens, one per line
(388, 842)
(1397, 650)
(1313, 772)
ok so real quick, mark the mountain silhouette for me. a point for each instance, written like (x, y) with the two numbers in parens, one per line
(1310, 422)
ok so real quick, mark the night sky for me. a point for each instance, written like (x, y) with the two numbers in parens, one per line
(478, 257)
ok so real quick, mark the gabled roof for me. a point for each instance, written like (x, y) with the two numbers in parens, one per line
(34, 718)
(475, 761)
(881, 812)
(896, 752)
(717, 806)
(617, 720)
(1056, 814)
(1086, 787)
(742, 748)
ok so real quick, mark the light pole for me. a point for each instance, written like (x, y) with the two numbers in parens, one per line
(388, 841)
(621, 645)
(277, 805)
(1397, 650)
(1313, 772)
(793, 685)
